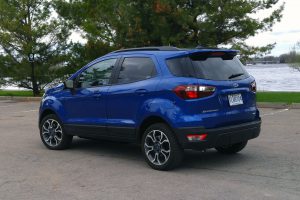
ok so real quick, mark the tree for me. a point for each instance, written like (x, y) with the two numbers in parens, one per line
(283, 58)
(184, 23)
(247, 51)
(2, 69)
(294, 57)
(31, 27)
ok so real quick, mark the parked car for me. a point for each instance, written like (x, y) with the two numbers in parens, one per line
(164, 98)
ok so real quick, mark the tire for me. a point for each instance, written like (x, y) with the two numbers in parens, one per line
(52, 133)
(232, 149)
(160, 147)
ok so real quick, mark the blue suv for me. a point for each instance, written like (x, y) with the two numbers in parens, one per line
(164, 98)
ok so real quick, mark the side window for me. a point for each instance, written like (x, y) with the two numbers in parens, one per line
(136, 69)
(180, 67)
(96, 75)
(176, 66)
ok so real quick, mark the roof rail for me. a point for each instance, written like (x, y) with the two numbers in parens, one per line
(203, 47)
(159, 48)
(200, 47)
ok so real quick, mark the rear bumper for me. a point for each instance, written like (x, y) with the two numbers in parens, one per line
(219, 136)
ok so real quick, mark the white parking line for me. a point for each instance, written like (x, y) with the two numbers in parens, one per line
(28, 110)
(272, 113)
(7, 106)
(23, 111)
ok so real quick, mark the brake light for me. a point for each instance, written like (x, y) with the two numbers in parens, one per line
(217, 54)
(253, 86)
(194, 91)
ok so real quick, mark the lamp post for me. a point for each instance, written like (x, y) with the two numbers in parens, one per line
(31, 57)
(34, 85)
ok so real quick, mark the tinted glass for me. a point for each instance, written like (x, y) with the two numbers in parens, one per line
(214, 68)
(96, 75)
(181, 67)
(218, 69)
(136, 69)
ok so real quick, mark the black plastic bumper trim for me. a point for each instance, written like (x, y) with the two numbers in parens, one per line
(219, 136)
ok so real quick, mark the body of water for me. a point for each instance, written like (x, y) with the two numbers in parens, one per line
(269, 77)
(275, 77)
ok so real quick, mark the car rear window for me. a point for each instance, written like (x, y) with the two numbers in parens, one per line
(213, 68)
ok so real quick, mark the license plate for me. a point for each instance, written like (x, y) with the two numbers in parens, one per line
(235, 99)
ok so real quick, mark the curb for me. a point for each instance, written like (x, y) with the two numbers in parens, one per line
(13, 98)
(295, 106)
(278, 105)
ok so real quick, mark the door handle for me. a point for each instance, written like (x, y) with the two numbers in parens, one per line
(141, 92)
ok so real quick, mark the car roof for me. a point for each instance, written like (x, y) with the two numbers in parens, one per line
(167, 51)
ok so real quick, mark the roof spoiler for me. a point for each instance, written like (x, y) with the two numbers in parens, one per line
(203, 55)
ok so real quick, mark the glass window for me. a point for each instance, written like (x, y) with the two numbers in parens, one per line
(96, 75)
(181, 67)
(136, 69)
(219, 69)
(213, 68)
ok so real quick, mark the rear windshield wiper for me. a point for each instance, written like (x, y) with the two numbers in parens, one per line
(235, 75)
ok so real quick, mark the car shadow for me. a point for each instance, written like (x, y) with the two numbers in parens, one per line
(209, 159)
(107, 148)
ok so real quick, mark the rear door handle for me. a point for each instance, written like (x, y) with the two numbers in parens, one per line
(141, 92)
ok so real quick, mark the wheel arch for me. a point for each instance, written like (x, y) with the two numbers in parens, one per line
(46, 112)
(148, 122)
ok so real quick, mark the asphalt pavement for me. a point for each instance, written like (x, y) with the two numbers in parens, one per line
(268, 168)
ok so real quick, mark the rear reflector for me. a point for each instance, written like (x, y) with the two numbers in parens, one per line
(194, 91)
(196, 137)
(253, 86)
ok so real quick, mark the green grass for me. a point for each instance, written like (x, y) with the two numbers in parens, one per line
(279, 97)
(276, 97)
(18, 93)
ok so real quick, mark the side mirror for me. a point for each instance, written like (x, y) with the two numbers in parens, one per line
(69, 84)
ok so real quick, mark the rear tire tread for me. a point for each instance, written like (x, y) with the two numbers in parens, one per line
(176, 150)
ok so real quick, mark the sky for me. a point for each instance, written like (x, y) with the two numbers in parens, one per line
(285, 33)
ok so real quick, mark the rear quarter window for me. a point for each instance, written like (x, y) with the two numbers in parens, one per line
(181, 67)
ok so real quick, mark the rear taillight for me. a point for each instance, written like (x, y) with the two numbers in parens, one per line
(194, 91)
(253, 86)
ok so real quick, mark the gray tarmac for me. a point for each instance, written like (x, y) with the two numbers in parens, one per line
(268, 168)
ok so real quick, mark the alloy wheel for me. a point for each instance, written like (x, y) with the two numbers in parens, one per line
(157, 147)
(52, 132)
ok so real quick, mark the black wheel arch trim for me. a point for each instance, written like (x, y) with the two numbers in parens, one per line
(46, 112)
